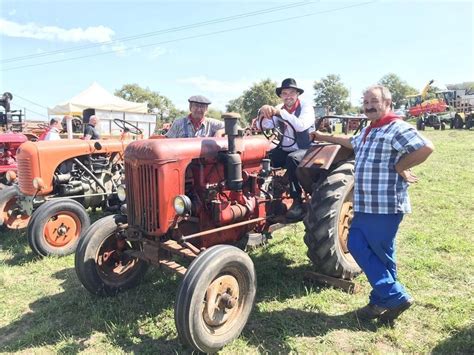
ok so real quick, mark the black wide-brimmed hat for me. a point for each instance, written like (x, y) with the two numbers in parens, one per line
(289, 83)
(200, 99)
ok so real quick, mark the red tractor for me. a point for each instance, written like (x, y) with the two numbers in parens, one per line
(9, 143)
(11, 138)
(193, 205)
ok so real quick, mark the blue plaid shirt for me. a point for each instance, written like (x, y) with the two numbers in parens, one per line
(378, 188)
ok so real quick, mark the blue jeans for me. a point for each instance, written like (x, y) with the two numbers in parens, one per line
(372, 244)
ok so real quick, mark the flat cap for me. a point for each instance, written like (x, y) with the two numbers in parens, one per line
(200, 99)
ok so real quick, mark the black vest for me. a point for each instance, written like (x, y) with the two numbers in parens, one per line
(302, 138)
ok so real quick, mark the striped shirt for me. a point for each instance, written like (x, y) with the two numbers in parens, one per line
(208, 128)
(378, 188)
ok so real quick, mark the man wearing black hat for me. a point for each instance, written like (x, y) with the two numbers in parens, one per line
(196, 124)
(294, 143)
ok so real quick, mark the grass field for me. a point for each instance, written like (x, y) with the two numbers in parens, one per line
(44, 308)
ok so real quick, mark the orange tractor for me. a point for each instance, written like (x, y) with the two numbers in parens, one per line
(193, 205)
(57, 182)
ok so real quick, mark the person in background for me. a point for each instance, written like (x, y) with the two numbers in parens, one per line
(300, 114)
(196, 124)
(90, 131)
(52, 133)
(385, 151)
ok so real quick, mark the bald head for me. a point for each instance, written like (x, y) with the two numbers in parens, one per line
(93, 120)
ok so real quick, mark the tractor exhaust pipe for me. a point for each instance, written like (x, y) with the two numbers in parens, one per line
(232, 157)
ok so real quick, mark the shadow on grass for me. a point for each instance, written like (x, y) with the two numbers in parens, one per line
(462, 342)
(16, 242)
(270, 331)
(141, 319)
(74, 315)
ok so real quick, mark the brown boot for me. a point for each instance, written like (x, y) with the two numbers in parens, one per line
(371, 311)
(394, 313)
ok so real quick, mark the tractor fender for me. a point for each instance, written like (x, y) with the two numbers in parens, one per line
(318, 160)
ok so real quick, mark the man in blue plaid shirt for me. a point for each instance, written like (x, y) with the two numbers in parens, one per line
(384, 153)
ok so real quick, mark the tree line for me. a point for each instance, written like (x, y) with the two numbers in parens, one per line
(330, 93)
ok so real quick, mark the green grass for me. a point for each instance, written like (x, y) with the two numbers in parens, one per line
(44, 308)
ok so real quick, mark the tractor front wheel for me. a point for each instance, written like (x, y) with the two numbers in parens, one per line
(215, 298)
(11, 215)
(327, 224)
(56, 226)
(104, 263)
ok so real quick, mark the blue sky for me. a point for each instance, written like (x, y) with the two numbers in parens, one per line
(218, 53)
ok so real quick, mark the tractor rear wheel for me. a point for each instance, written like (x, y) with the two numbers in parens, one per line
(56, 226)
(215, 298)
(327, 224)
(11, 215)
(102, 263)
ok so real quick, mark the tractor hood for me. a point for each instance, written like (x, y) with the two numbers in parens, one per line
(40, 159)
(162, 151)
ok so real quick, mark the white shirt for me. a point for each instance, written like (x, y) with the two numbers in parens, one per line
(305, 120)
(52, 135)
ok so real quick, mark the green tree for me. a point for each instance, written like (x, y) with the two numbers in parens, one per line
(262, 93)
(158, 104)
(331, 93)
(399, 88)
(235, 105)
(213, 113)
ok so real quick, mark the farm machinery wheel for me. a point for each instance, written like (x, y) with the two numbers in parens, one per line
(56, 226)
(102, 264)
(327, 224)
(11, 215)
(215, 298)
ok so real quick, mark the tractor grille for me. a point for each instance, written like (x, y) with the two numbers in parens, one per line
(25, 176)
(142, 196)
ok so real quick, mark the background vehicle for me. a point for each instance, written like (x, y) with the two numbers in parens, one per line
(192, 201)
(57, 182)
(450, 107)
(12, 135)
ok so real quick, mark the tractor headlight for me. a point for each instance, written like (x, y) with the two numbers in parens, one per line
(182, 205)
(122, 193)
(10, 176)
(38, 183)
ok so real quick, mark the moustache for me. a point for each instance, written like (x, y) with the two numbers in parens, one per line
(369, 110)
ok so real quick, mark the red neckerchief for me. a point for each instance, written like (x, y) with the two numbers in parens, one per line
(195, 123)
(388, 118)
(292, 108)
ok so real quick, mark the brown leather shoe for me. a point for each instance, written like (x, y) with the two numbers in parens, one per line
(371, 311)
(394, 313)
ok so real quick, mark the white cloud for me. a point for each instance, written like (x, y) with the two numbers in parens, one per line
(52, 33)
(216, 86)
(12, 12)
(218, 91)
(120, 49)
(157, 52)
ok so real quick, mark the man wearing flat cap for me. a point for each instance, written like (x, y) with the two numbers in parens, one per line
(196, 124)
(295, 142)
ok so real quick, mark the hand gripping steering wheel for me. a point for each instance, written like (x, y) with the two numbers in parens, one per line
(127, 127)
(275, 135)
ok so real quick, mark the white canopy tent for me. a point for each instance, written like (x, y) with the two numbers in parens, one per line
(107, 107)
(98, 98)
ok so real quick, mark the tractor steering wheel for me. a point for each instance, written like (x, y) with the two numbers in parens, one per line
(275, 134)
(127, 127)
